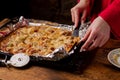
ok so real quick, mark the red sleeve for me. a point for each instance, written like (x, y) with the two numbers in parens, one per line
(78, 0)
(112, 16)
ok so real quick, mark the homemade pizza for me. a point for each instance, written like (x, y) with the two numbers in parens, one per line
(41, 40)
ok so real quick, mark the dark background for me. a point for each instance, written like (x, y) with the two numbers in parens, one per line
(51, 10)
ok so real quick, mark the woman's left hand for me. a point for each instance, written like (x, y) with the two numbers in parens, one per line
(97, 34)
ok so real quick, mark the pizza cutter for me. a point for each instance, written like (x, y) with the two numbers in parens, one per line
(19, 60)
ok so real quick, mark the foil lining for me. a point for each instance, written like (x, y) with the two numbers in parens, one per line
(57, 54)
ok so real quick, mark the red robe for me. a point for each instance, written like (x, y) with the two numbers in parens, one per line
(109, 10)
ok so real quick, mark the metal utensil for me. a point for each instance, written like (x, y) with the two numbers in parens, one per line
(75, 31)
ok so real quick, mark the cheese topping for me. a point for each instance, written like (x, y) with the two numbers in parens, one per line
(41, 40)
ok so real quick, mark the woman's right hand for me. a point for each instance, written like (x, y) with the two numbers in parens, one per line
(80, 9)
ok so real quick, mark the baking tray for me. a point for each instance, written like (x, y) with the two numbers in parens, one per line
(57, 54)
(59, 60)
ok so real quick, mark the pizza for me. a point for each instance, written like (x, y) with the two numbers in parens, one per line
(40, 40)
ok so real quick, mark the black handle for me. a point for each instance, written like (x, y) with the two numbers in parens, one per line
(78, 46)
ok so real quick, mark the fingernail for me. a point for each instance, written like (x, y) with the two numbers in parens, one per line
(84, 49)
(81, 50)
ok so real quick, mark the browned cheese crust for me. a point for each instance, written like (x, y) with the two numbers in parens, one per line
(41, 40)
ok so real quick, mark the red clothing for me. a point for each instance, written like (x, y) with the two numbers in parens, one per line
(109, 10)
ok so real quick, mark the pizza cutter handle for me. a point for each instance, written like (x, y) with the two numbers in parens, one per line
(3, 62)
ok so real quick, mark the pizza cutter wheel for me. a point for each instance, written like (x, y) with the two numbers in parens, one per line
(17, 60)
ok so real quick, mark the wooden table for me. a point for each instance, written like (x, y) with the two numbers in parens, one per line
(98, 69)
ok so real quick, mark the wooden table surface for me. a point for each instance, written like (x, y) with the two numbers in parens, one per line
(98, 68)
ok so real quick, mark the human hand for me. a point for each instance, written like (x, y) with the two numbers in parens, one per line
(97, 34)
(80, 8)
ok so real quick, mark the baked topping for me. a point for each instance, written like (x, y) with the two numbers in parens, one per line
(41, 40)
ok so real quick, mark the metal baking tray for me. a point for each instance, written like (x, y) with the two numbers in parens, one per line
(56, 54)
(73, 59)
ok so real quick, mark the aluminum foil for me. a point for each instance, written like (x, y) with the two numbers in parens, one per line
(57, 51)
(12, 27)
(57, 54)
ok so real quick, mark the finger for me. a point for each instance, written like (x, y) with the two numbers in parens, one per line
(84, 39)
(95, 43)
(76, 18)
(84, 15)
(103, 41)
(90, 39)
(73, 18)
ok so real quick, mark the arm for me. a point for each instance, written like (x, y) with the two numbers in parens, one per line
(98, 32)
(112, 16)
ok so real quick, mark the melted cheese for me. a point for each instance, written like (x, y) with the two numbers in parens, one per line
(40, 40)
